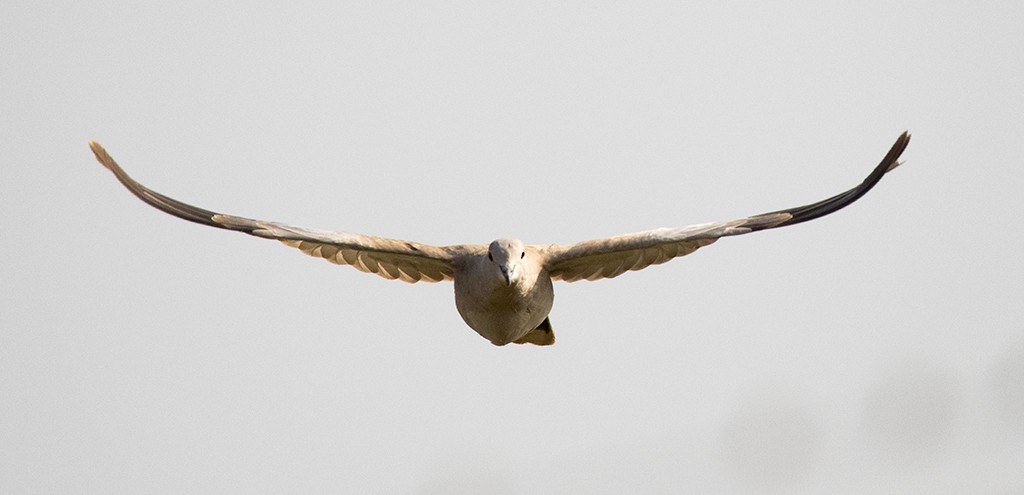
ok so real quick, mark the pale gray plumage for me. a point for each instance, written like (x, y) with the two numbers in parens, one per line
(503, 290)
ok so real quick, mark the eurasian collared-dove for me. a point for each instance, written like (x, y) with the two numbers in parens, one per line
(503, 290)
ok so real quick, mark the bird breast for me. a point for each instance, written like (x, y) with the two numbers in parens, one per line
(498, 312)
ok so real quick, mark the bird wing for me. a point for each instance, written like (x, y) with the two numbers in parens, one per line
(389, 258)
(613, 256)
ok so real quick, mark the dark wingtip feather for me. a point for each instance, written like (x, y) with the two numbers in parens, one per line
(159, 201)
(835, 203)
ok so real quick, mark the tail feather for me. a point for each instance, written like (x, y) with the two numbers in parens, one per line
(542, 335)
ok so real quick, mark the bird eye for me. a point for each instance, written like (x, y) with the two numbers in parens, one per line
(490, 257)
(521, 256)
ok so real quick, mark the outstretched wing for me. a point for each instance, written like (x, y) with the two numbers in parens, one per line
(613, 256)
(389, 258)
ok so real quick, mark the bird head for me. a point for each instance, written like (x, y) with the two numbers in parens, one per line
(507, 257)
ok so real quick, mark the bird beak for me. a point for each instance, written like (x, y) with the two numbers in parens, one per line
(507, 273)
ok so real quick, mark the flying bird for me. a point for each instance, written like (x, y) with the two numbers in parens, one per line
(503, 290)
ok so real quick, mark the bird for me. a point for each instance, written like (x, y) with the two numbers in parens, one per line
(504, 290)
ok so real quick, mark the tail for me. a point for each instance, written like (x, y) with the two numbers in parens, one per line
(542, 335)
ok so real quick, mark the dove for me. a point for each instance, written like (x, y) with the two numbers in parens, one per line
(504, 290)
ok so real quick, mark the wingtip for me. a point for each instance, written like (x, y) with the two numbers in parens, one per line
(101, 154)
(893, 156)
(905, 137)
(897, 149)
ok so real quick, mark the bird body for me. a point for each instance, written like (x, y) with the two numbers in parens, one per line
(504, 290)
(502, 296)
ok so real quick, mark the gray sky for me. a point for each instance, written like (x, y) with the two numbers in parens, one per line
(879, 350)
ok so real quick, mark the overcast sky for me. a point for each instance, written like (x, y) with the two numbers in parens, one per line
(878, 350)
